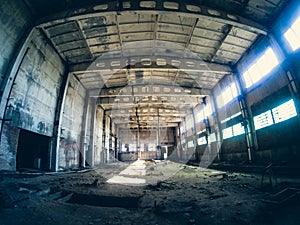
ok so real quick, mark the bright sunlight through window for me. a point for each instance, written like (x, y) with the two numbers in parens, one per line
(233, 131)
(278, 114)
(202, 141)
(292, 35)
(284, 112)
(260, 68)
(263, 120)
(227, 95)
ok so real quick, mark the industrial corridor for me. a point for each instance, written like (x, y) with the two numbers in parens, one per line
(149, 112)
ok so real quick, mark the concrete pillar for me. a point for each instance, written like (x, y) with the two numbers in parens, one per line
(180, 143)
(218, 128)
(93, 112)
(247, 120)
(57, 129)
(103, 152)
(83, 143)
(195, 136)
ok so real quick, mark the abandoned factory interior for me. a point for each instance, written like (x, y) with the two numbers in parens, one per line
(154, 112)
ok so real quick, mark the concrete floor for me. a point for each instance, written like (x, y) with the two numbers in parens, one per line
(152, 192)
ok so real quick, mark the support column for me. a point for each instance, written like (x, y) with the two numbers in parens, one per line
(219, 135)
(180, 143)
(158, 136)
(83, 144)
(247, 120)
(92, 133)
(195, 141)
(57, 129)
(103, 152)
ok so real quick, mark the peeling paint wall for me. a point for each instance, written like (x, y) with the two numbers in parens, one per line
(33, 97)
(71, 125)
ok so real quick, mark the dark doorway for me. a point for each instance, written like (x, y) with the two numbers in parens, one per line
(33, 151)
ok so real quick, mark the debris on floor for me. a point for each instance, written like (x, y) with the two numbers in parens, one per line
(171, 193)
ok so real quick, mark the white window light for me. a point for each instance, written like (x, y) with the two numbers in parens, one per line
(231, 117)
(200, 116)
(284, 111)
(278, 114)
(227, 95)
(227, 133)
(189, 123)
(260, 68)
(202, 141)
(247, 79)
(182, 127)
(208, 109)
(263, 120)
(292, 35)
(212, 137)
(190, 144)
(238, 129)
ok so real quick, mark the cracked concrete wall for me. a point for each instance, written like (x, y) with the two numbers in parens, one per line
(33, 98)
(71, 125)
(14, 22)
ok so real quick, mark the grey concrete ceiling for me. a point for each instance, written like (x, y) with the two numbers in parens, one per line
(159, 45)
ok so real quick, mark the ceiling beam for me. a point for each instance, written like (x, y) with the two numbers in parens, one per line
(140, 102)
(131, 90)
(109, 8)
(161, 125)
(113, 65)
(225, 31)
(161, 107)
(119, 115)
